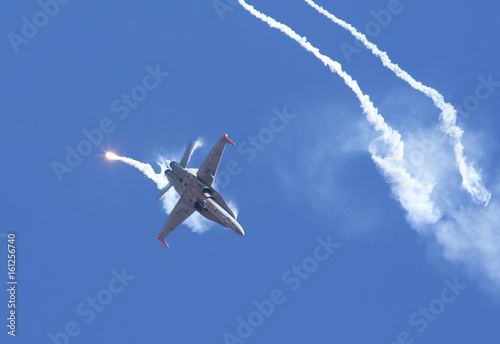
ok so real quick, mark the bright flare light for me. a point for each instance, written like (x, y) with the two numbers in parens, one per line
(111, 156)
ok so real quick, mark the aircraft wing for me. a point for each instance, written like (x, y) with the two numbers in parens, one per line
(209, 167)
(181, 212)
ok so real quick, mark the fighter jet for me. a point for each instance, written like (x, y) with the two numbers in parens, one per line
(196, 191)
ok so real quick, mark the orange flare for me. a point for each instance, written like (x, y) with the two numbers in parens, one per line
(111, 156)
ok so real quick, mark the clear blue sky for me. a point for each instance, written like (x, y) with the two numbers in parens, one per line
(80, 224)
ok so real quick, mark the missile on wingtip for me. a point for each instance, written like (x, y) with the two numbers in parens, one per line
(162, 241)
(228, 139)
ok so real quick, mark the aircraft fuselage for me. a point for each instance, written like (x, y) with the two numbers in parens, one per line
(202, 197)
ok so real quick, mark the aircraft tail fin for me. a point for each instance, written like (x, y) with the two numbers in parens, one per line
(186, 155)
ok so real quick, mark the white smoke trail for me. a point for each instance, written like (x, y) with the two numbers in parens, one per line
(471, 179)
(196, 222)
(197, 144)
(472, 236)
(233, 207)
(413, 194)
(148, 171)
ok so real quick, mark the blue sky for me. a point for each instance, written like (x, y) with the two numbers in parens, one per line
(330, 254)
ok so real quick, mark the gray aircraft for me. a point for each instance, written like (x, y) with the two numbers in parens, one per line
(196, 191)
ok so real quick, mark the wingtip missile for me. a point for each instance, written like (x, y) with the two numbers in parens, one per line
(162, 241)
(228, 139)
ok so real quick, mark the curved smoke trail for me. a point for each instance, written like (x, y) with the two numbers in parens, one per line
(471, 179)
(413, 194)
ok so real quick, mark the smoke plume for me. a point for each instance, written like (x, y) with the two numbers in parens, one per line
(414, 195)
(471, 179)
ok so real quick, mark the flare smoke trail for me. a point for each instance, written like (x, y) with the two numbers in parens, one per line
(144, 168)
(413, 195)
(148, 171)
(471, 179)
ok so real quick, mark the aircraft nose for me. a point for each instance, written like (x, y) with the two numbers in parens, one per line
(238, 230)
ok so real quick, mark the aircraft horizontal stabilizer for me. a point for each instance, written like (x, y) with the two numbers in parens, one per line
(165, 189)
